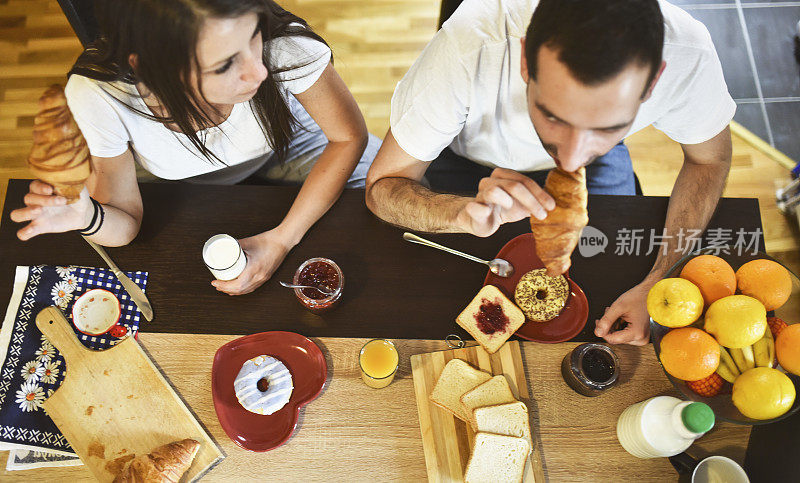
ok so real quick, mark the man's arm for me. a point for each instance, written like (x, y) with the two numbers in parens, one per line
(693, 200)
(395, 195)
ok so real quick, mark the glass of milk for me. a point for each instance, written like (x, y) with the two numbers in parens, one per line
(224, 257)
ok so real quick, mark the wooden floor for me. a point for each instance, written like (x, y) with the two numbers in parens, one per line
(374, 43)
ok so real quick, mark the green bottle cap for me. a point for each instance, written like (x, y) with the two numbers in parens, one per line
(697, 417)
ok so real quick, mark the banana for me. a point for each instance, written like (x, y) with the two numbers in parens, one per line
(762, 352)
(749, 357)
(738, 357)
(725, 372)
(726, 360)
(771, 343)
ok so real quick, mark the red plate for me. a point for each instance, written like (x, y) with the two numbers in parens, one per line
(521, 253)
(257, 432)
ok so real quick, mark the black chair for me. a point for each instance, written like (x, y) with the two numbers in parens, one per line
(80, 14)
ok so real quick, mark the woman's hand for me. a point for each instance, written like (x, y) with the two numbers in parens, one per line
(265, 252)
(50, 213)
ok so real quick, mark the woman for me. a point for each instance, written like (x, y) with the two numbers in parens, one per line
(206, 91)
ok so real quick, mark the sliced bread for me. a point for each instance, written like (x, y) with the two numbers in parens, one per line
(457, 378)
(491, 393)
(507, 419)
(491, 318)
(495, 458)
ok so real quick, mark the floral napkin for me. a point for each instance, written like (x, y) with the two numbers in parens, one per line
(32, 369)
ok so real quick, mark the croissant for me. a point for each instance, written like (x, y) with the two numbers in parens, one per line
(557, 235)
(166, 463)
(59, 156)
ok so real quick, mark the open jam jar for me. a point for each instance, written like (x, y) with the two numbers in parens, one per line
(590, 369)
(319, 272)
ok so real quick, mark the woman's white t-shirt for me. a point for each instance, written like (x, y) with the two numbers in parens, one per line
(465, 91)
(110, 127)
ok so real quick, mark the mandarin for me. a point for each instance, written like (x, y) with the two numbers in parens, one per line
(765, 280)
(787, 348)
(712, 275)
(689, 353)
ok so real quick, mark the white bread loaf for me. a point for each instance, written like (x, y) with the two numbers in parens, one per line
(491, 318)
(457, 378)
(507, 419)
(497, 458)
(491, 393)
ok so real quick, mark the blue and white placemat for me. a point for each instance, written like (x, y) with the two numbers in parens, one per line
(32, 369)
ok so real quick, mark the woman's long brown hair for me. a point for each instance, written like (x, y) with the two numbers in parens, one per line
(163, 35)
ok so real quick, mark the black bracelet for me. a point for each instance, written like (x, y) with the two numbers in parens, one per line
(94, 216)
(102, 219)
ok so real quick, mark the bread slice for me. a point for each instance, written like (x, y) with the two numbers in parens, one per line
(457, 378)
(507, 419)
(497, 457)
(491, 318)
(491, 393)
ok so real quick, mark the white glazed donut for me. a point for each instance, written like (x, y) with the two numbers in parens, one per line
(279, 385)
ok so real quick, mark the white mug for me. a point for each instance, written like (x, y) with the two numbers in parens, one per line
(224, 257)
(719, 469)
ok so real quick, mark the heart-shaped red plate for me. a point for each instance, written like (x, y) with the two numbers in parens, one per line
(257, 432)
(521, 253)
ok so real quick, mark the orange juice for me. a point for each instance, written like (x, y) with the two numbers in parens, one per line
(378, 360)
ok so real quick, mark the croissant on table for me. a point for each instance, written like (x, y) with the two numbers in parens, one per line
(59, 156)
(165, 464)
(557, 235)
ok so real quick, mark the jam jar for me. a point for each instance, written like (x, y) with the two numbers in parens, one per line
(590, 369)
(319, 272)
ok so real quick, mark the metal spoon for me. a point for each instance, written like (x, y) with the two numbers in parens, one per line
(498, 266)
(322, 289)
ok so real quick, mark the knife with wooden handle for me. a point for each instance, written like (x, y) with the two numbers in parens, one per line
(133, 290)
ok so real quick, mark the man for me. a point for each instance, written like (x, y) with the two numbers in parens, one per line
(501, 86)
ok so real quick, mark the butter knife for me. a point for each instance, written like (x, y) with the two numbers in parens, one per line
(133, 290)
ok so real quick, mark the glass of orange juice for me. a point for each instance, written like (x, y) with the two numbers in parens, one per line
(378, 360)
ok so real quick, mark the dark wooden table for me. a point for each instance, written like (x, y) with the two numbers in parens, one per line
(393, 289)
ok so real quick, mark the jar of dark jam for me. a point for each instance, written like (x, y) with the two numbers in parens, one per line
(318, 272)
(590, 369)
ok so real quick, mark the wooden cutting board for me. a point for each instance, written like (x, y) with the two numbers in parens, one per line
(115, 403)
(446, 440)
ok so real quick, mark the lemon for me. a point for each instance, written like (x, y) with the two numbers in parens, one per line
(737, 321)
(763, 393)
(674, 302)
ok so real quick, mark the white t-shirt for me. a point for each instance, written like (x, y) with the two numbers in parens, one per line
(465, 90)
(110, 127)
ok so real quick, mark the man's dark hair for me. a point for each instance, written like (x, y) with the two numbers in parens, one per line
(597, 39)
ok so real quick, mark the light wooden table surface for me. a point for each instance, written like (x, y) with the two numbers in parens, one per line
(354, 433)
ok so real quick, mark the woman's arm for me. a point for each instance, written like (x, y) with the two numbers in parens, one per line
(112, 183)
(331, 105)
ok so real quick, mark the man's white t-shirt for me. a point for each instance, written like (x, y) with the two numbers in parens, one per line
(465, 90)
(110, 127)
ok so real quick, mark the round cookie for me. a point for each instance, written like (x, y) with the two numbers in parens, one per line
(540, 296)
(251, 391)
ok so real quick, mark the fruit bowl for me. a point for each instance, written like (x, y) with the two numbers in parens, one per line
(722, 403)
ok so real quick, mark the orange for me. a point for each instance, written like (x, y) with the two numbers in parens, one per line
(689, 353)
(765, 280)
(787, 348)
(712, 275)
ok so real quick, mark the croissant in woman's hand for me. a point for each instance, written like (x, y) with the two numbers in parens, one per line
(60, 156)
(557, 235)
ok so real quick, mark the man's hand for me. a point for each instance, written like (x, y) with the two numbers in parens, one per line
(631, 307)
(265, 252)
(504, 197)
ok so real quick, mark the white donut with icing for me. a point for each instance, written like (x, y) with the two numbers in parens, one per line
(279, 385)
